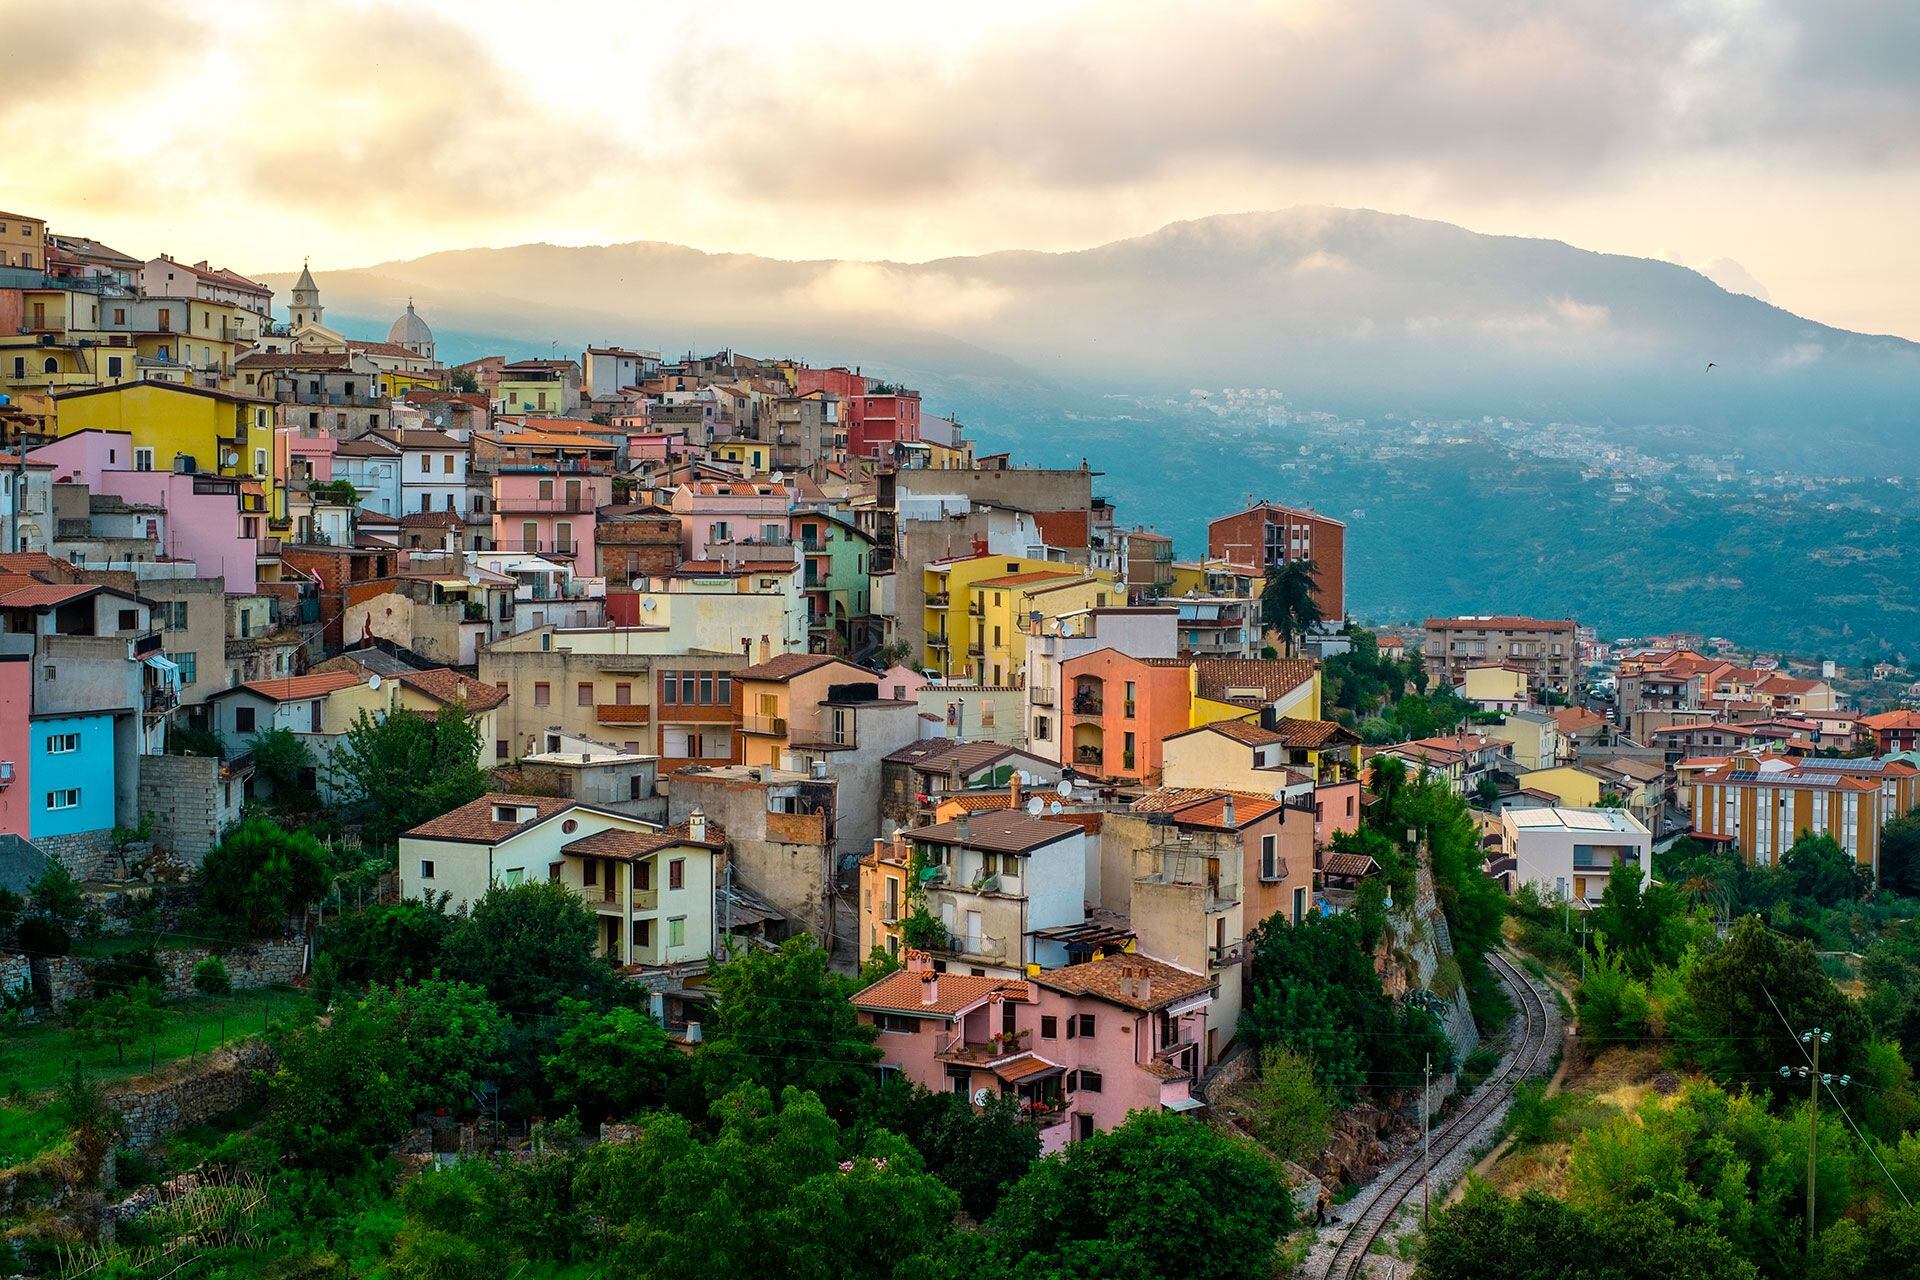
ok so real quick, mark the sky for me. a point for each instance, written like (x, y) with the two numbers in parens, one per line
(1774, 142)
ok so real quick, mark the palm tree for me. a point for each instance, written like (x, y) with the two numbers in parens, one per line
(1290, 600)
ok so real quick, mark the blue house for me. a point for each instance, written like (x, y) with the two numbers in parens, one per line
(72, 774)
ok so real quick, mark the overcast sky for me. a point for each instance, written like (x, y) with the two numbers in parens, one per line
(1778, 134)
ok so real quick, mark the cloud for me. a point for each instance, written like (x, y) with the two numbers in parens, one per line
(878, 292)
(1733, 277)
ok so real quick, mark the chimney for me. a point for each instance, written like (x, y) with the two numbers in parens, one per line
(965, 825)
(693, 1033)
(1226, 813)
(1013, 790)
(929, 987)
(696, 824)
(1144, 989)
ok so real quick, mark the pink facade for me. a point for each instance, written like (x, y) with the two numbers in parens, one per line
(315, 452)
(203, 527)
(653, 446)
(901, 683)
(549, 514)
(838, 381)
(1081, 1047)
(1336, 808)
(16, 742)
(723, 511)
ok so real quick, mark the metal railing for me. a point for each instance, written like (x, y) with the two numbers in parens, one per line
(769, 726)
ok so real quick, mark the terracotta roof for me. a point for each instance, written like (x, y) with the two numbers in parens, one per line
(382, 348)
(1066, 529)
(1348, 866)
(327, 360)
(905, 992)
(1022, 579)
(548, 440)
(625, 845)
(421, 438)
(1274, 677)
(995, 831)
(42, 595)
(1248, 733)
(1900, 718)
(297, 688)
(475, 822)
(431, 520)
(788, 665)
(976, 801)
(1500, 622)
(445, 685)
(366, 447)
(1206, 806)
(1130, 981)
(1313, 734)
(1024, 1067)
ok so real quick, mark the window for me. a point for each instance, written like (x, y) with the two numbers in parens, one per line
(1269, 858)
(1007, 1017)
(677, 873)
(68, 799)
(1042, 728)
(243, 719)
(1082, 1126)
(500, 749)
(677, 932)
(585, 694)
(189, 664)
(1049, 1027)
(622, 694)
(670, 690)
(259, 462)
(1086, 1024)
(446, 464)
(590, 871)
(897, 1024)
(1090, 1082)
(426, 868)
(706, 689)
(60, 744)
(129, 619)
(542, 693)
(113, 366)
(172, 615)
(513, 876)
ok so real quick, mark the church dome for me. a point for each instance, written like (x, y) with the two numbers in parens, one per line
(410, 330)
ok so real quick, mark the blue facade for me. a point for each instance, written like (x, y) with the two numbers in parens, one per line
(58, 772)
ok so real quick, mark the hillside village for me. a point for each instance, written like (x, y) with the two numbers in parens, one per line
(606, 733)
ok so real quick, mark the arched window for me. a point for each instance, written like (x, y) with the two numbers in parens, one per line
(52, 365)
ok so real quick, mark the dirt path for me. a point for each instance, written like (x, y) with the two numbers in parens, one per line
(1484, 1165)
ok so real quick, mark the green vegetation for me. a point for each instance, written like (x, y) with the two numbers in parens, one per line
(39, 1055)
(396, 772)
(1289, 600)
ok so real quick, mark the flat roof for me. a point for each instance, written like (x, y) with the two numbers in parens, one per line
(1616, 821)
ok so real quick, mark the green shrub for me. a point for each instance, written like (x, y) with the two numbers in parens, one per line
(210, 977)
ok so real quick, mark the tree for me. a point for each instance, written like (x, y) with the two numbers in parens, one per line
(1489, 1237)
(1157, 1196)
(1817, 868)
(979, 1152)
(1647, 926)
(1290, 601)
(781, 1018)
(397, 771)
(609, 1063)
(55, 908)
(1900, 855)
(776, 1193)
(384, 943)
(1487, 791)
(1745, 1002)
(261, 876)
(1614, 1006)
(282, 760)
(464, 380)
(452, 1036)
(210, 977)
(1291, 1114)
(531, 946)
(121, 1018)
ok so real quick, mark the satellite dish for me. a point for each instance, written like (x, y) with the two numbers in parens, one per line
(1056, 807)
(638, 583)
(776, 478)
(373, 681)
(1022, 775)
(1064, 789)
(473, 578)
(1034, 806)
(648, 604)
(1279, 793)
(980, 1096)
(229, 459)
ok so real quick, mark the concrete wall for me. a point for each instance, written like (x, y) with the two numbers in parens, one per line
(190, 802)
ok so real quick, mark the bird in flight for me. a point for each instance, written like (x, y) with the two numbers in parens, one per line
(1709, 364)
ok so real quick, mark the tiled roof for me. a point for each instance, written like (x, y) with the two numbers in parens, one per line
(431, 520)
(549, 440)
(1273, 677)
(1023, 579)
(296, 688)
(617, 843)
(1901, 718)
(1572, 720)
(976, 801)
(1348, 866)
(325, 360)
(1207, 806)
(41, 595)
(475, 821)
(994, 831)
(1500, 622)
(788, 665)
(445, 685)
(1130, 981)
(905, 992)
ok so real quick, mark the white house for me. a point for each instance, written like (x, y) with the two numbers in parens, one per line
(650, 888)
(1570, 853)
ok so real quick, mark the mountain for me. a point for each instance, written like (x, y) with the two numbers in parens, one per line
(1351, 310)
(1640, 491)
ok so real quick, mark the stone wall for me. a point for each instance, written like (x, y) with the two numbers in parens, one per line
(158, 1109)
(183, 797)
(16, 975)
(88, 855)
(278, 963)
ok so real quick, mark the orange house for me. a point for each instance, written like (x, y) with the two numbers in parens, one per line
(779, 702)
(1117, 710)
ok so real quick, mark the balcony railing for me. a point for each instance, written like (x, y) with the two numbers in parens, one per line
(1088, 755)
(1089, 704)
(767, 726)
(1042, 697)
(1219, 957)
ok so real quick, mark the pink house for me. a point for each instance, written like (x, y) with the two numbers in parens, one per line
(721, 512)
(16, 740)
(901, 683)
(204, 522)
(549, 513)
(1336, 808)
(1080, 1047)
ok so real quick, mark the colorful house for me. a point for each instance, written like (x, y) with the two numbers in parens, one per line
(780, 702)
(1117, 711)
(1081, 1047)
(182, 429)
(957, 597)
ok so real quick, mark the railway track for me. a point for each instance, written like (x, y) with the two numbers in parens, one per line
(1375, 1209)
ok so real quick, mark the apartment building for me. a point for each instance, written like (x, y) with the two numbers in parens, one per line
(1544, 649)
(1266, 535)
(1760, 804)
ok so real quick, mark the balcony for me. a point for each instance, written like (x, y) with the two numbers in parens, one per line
(1092, 757)
(1042, 697)
(937, 601)
(580, 504)
(1221, 957)
(765, 726)
(1089, 703)
(603, 898)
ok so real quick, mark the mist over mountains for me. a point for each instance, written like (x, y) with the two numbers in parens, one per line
(1095, 354)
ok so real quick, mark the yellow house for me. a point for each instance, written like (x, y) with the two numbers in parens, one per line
(958, 593)
(1233, 688)
(1575, 788)
(1011, 606)
(779, 702)
(401, 381)
(1213, 578)
(180, 428)
(1496, 687)
(752, 455)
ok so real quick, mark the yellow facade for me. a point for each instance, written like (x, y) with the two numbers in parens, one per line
(750, 454)
(1763, 817)
(1213, 578)
(1005, 614)
(955, 619)
(1496, 685)
(401, 381)
(223, 434)
(1575, 788)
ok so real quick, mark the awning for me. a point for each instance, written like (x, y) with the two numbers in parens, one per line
(1025, 1069)
(167, 667)
(1184, 1104)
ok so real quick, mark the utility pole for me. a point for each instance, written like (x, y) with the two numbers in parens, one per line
(1426, 1137)
(1813, 1039)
